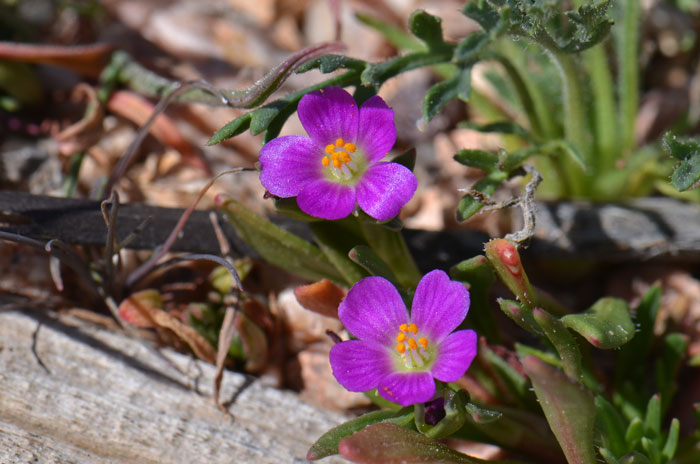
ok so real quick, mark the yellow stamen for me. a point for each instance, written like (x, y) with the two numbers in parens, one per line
(339, 143)
(401, 348)
(403, 327)
(330, 148)
(413, 328)
(350, 147)
(345, 157)
(337, 163)
(325, 161)
(401, 337)
(423, 342)
(412, 344)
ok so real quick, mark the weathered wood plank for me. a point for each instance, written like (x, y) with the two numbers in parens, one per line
(103, 397)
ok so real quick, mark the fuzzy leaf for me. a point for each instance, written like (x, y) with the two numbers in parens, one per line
(470, 47)
(468, 205)
(543, 22)
(329, 63)
(278, 246)
(327, 445)
(681, 148)
(427, 28)
(568, 407)
(606, 324)
(390, 444)
(687, 175)
(477, 159)
(444, 92)
(232, 129)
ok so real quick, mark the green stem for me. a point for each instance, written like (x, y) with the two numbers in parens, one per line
(628, 62)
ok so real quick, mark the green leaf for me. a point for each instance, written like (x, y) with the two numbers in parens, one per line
(290, 208)
(486, 14)
(443, 92)
(500, 127)
(512, 380)
(478, 159)
(479, 276)
(329, 63)
(681, 148)
(278, 246)
(369, 260)
(541, 21)
(408, 159)
(337, 242)
(522, 315)
(468, 205)
(568, 407)
(634, 432)
(470, 48)
(427, 28)
(481, 415)
(606, 324)
(612, 431)
(608, 456)
(232, 129)
(675, 345)
(635, 458)
(669, 450)
(632, 357)
(687, 175)
(652, 419)
(327, 445)
(563, 342)
(390, 444)
(391, 247)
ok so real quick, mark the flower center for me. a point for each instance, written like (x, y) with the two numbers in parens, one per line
(339, 154)
(413, 352)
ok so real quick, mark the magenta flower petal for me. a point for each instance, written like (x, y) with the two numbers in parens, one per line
(384, 189)
(326, 199)
(358, 365)
(455, 354)
(439, 305)
(377, 133)
(373, 310)
(329, 114)
(288, 164)
(407, 388)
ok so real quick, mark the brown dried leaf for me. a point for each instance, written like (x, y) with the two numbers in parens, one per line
(322, 297)
(142, 309)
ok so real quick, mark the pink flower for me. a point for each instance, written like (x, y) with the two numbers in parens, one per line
(338, 166)
(398, 354)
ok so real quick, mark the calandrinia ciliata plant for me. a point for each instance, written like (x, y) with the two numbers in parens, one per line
(399, 354)
(338, 166)
(545, 402)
